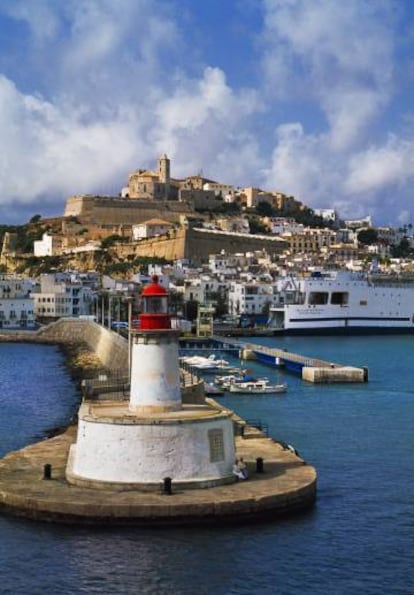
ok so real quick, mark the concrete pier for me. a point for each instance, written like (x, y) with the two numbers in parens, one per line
(287, 485)
(311, 369)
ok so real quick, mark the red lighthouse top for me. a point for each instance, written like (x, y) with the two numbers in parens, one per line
(155, 314)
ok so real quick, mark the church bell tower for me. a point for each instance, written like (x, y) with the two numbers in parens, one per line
(164, 174)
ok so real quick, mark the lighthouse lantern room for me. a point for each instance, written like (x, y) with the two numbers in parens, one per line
(155, 315)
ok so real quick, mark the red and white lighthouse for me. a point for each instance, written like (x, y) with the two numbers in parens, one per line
(139, 442)
(155, 373)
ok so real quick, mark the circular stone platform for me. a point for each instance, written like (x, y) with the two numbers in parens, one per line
(287, 485)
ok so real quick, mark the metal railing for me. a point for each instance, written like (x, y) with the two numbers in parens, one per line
(115, 385)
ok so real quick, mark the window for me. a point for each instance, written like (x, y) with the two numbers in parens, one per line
(216, 442)
(339, 298)
(318, 298)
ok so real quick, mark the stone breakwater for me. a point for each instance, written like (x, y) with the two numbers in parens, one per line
(110, 348)
(286, 484)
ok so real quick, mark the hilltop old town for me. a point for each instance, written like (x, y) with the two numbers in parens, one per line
(211, 244)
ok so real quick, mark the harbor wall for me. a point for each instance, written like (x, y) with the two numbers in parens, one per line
(109, 347)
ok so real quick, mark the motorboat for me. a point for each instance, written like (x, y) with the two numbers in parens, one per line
(228, 379)
(257, 387)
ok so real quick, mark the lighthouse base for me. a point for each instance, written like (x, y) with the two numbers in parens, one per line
(116, 447)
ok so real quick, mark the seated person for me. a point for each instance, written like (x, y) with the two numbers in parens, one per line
(243, 469)
(237, 471)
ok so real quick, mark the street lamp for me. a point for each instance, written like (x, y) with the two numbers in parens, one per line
(129, 300)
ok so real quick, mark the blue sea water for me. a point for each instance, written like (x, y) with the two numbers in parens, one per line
(358, 539)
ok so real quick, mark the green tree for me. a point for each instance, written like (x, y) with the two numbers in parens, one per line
(265, 209)
(35, 218)
(367, 236)
(256, 226)
(111, 240)
(402, 250)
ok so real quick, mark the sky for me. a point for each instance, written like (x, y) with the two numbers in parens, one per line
(312, 98)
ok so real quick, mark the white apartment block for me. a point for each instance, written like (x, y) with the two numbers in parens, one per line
(279, 225)
(218, 188)
(16, 303)
(359, 223)
(203, 289)
(59, 297)
(224, 264)
(310, 240)
(389, 235)
(250, 298)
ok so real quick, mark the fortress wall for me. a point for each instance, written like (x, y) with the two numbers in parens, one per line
(170, 247)
(117, 211)
(201, 244)
(197, 246)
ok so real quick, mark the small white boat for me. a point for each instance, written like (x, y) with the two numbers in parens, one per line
(206, 364)
(228, 379)
(256, 387)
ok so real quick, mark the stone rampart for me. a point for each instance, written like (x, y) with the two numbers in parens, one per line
(197, 245)
(102, 210)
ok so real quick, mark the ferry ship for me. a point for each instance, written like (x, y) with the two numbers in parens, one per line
(343, 302)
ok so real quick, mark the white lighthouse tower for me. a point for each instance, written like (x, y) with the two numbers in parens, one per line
(153, 436)
(155, 373)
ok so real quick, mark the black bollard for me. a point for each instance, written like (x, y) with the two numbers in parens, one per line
(47, 471)
(259, 465)
(168, 486)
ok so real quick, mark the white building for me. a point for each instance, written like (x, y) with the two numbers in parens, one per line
(150, 229)
(47, 246)
(279, 225)
(250, 298)
(202, 288)
(16, 303)
(359, 223)
(218, 188)
(329, 215)
(59, 296)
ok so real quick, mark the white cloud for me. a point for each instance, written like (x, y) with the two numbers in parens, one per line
(107, 86)
(333, 53)
(339, 58)
(382, 167)
(65, 154)
(203, 121)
